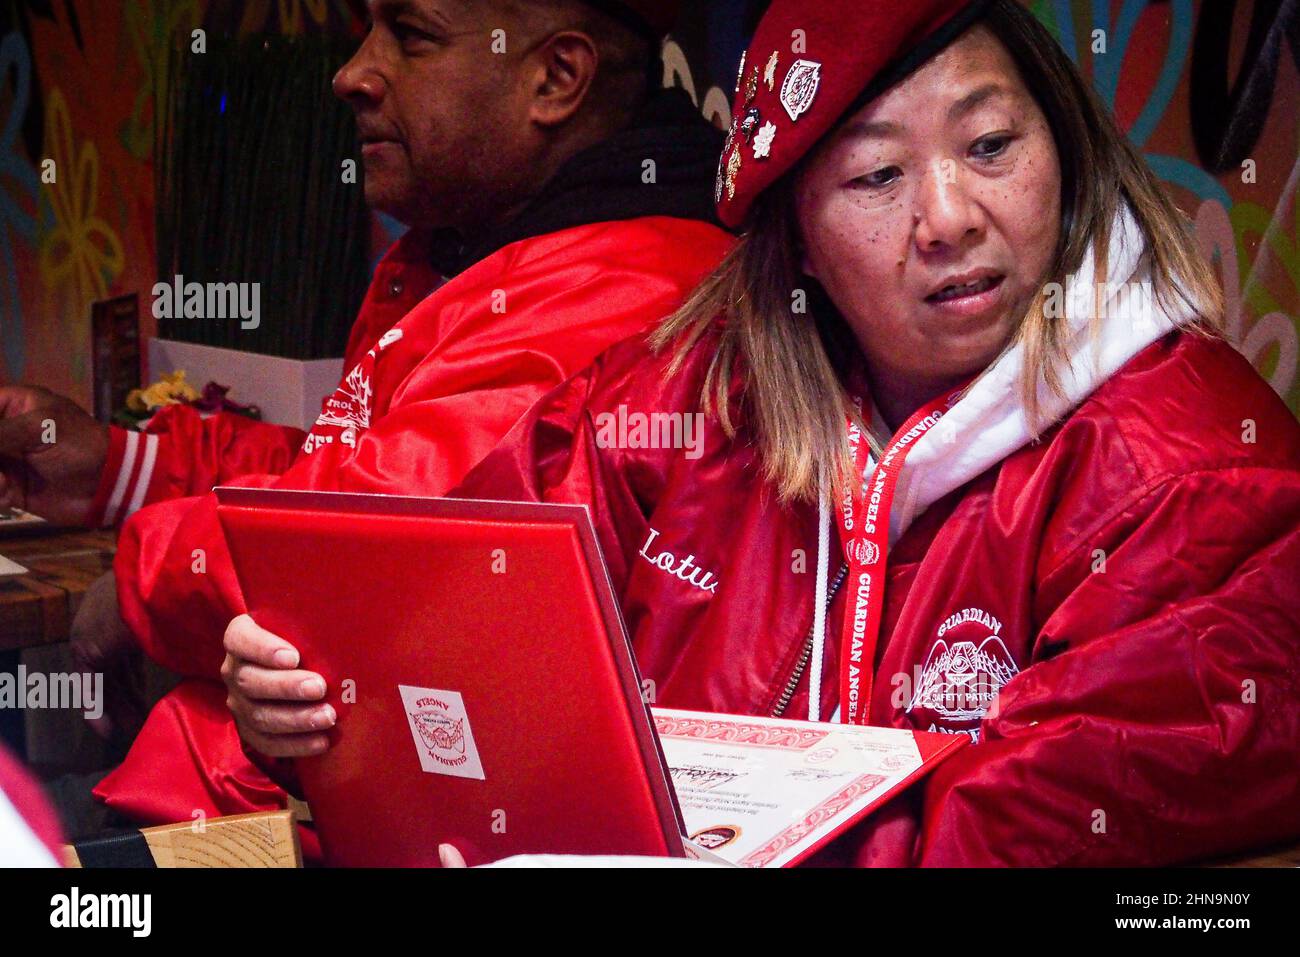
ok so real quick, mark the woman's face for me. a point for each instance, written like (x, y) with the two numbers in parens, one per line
(931, 216)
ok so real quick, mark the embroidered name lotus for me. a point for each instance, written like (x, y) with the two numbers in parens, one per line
(701, 579)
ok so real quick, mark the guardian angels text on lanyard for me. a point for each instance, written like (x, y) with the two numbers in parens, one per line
(865, 525)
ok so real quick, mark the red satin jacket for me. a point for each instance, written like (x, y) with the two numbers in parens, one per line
(1128, 585)
(426, 400)
(180, 453)
(432, 387)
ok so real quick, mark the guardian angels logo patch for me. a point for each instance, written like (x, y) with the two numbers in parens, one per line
(867, 553)
(441, 731)
(800, 87)
(966, 668)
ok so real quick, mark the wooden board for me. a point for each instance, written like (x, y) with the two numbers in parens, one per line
(264, 839)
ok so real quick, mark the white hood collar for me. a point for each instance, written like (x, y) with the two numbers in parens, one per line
(990, 421)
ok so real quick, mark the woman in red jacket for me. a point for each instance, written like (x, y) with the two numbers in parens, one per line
(958, 449)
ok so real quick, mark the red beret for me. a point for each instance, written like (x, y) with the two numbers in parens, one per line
(656, 17)
(812, 63)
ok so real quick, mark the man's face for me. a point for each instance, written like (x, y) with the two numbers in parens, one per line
(442, 119)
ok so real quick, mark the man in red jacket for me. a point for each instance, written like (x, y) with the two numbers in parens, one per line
(557, 203)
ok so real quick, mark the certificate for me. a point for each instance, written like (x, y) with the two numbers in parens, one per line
(767, 792)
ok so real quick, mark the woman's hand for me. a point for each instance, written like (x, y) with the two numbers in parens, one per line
(276, 705)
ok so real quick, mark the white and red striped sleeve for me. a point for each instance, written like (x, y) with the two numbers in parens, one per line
(125, 482)
(181, 453)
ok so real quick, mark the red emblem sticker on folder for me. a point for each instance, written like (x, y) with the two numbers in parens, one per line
(440, 728)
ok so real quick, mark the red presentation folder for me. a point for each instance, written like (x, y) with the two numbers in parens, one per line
(488, 697)
(485, 688)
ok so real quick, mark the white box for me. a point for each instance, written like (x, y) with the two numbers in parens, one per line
(288, 391)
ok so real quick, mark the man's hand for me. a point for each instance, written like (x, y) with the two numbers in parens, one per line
(276, 705)
(51, 454)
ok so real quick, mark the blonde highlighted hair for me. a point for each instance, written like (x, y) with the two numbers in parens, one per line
(793, 365)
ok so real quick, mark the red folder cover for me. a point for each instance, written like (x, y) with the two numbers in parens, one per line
(485, 689)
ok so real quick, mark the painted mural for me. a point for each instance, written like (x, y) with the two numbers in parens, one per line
(79, 80)
(1208, 90)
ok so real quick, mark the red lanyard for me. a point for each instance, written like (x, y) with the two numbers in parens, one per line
(865, 535)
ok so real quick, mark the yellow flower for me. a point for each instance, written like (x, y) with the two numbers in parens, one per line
(171, 389)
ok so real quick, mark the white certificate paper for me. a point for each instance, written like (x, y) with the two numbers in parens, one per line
(766, 792)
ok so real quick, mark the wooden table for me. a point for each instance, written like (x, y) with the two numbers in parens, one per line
(38, 608)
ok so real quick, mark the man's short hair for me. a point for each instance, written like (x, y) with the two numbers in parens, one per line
(627, 56)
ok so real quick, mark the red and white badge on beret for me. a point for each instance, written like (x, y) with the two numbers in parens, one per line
(810, 62)
(800, 88)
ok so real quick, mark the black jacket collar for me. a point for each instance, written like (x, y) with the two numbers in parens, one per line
(608, 182)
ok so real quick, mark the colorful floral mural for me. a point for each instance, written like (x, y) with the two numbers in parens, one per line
(79, 253)
(154, 28)
(76, 213)
(1226, 142)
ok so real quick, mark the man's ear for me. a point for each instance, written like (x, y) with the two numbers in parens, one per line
(566, 67)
